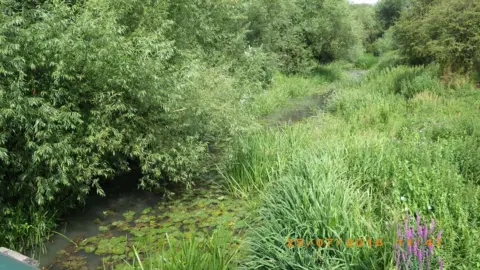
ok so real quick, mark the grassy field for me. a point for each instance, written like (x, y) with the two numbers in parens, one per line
(397, 143)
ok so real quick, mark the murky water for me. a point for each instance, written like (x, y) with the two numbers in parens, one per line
(103, 233)
(298, 109)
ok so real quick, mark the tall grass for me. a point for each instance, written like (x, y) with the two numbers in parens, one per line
(216, 253)
(366, 61)
(399, 142)
(285, 88)
(263, 156)
(315, 199)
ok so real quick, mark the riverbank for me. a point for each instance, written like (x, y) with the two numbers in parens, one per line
(358, 157)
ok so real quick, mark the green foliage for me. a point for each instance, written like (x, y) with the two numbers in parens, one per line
(212, 253)
(371, 28)
(313, 200)
(88, 86)
(385, 43)
(388, 60)
(411, 81)
(447, 32)
(299, 32)
(389, 11)
(366, 61)
(375, 155)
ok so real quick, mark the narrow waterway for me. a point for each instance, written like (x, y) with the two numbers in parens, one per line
(102, 233)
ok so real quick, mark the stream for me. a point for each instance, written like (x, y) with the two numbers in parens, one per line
(101, 234)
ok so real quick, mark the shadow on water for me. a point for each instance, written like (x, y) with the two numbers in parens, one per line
(122, 193)
(105, 229)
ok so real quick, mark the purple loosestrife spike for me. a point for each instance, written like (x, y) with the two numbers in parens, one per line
(420, 255)
(440, 261)
(409, 240)
(425, 232)
(415, 248)
(397, 260)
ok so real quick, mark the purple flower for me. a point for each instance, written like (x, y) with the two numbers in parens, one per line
(409, 239)
(415, 248)
(420, 255)
(440, 261)
(397, 260)
(425, 232)
(439, 235)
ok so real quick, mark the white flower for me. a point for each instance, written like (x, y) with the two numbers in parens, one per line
(403, 199)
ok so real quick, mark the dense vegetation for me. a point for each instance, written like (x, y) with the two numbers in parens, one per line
(92, 88)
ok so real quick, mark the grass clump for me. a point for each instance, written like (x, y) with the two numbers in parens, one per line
(366, 61)
(314, 200)
(215, 252)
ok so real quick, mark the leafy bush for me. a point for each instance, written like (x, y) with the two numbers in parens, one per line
(442, 31)
(386, 43)
(299, 32)
(371, 28)
(387, 61)
(389, 11)
(411, 81)
(89, 87)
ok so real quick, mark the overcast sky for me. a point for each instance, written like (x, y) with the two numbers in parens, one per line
(364, 1)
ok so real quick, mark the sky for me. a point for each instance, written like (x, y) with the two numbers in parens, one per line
(364, 1)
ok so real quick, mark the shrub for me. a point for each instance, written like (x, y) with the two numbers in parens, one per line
(371, 28)
(388, 60)
(442, 31)
(300, 32)
(89, 87)
(389, 11)
(411, 81)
